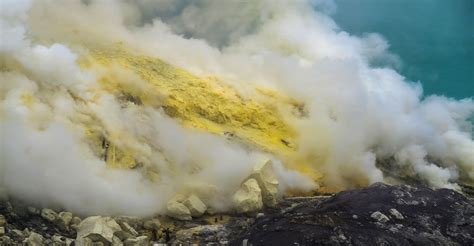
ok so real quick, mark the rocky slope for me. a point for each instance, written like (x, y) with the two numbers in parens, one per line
(377, 215)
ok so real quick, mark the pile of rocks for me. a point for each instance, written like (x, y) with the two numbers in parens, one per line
(23, 225)
(257, 190)
(185, 207)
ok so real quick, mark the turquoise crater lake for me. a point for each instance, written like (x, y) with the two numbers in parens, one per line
(433, 38)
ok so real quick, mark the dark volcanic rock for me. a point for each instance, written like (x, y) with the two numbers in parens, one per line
(377, 215)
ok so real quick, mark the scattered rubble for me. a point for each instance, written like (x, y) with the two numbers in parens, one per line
(379, 214)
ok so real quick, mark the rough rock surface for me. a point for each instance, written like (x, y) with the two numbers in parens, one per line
(249, 197)
(266, 178)
(98, 229)
(178, 210)
(416, 216)
(203, 233)
(367, 217)
(195, 206)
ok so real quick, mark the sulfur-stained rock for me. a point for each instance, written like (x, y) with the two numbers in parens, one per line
(58, 240)
(98, 229)
(49, 214)
(64, 220)
(139, 241)
(264, 174)
(3, 221)
(75, 222)
(2, 231)
(248, 198)
(127, 231)
(202, 234)
(195, 206)
(152, 224)
(178, 210)
(34, 239)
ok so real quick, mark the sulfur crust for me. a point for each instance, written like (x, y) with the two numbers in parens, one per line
(204, 103)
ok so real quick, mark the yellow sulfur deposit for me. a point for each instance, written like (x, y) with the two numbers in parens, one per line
(204, 103)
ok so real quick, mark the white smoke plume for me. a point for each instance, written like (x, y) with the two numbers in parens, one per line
(357, 114)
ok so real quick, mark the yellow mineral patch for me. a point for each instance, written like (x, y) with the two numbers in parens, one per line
(205, 103)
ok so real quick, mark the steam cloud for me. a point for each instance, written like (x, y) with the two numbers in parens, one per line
(357, 113)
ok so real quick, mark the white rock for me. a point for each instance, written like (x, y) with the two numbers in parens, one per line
(3, 221)
(152, 224)
(64, 220)
(264, 174)
(396, 214)
(34, 239)
(75, 222)
(49, 214)
(178, 210)
(98, 229)
(195, 206)
(60, 240)
(127, 231)
(380, 217)
(249, 197)
(139, 241)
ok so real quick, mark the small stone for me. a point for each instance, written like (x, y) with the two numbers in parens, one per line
(260, 215)
(127, 231)
(207, 232)
(3, 221)
(49, 214)
(17, 234)
(2, 231)
(152, 224)
(396, 214)
(34, 239)
(33, 211)
(6, 240)
(354, 216)
(133, 221)
(63, 221)
(195, 206)
(75, 222)
(98, 228)
(380, 217)
(178, 210)
(139, 241)
(59, 240)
